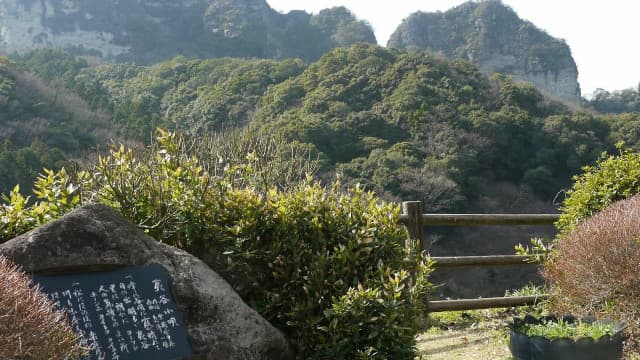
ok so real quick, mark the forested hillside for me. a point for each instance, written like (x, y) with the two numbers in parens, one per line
(44, 124)
(618, 101)
(410, 125)
(421, 127)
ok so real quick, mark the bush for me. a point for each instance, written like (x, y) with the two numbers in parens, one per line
(29, 327)
(57, 196)
(331, 269)
(595, 268)
(613, 178)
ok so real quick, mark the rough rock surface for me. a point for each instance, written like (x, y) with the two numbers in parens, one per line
(492, 36)
(148, 31)
(219, 324)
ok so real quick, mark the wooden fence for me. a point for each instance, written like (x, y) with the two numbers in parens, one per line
(415, 221)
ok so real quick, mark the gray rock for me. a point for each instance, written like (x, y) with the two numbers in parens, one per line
(492, 36)
(94, 237)
(149, 31)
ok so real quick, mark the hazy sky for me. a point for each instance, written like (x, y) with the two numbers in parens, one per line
(602, 34)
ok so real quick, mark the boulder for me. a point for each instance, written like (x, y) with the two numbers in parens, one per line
(94, 238)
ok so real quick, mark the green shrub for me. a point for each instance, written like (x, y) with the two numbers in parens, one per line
(331, 269)
(29, 327)
(372, 323)
(613, 178)
(55, 194)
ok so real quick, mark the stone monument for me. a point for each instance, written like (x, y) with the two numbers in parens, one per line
(95, 241)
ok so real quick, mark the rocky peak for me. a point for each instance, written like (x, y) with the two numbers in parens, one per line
(491, 35)
(148, 31)
(232, 17)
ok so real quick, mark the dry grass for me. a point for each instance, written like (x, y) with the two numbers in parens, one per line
(596, 267)
(29, 328)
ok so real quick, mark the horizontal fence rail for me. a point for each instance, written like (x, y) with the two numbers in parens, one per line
(486, 303)
(491, 260)
(414, 221)
(488, 219)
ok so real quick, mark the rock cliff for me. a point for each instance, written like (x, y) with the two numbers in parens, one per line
(491, 35)
(147, 31)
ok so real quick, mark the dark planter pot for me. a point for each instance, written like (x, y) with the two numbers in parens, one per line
(525, 347)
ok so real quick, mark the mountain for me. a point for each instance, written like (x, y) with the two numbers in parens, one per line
(148, 31)
(410, 125)
(492, 36)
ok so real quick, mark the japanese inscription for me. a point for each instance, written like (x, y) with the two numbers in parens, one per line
(123, 314)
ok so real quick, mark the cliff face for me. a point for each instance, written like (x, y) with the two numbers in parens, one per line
(147, 31)
(492, 36)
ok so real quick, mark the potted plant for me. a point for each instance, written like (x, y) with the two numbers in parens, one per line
(565, 338)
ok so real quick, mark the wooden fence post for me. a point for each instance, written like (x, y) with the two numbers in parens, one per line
(412, 212)
(412, 216)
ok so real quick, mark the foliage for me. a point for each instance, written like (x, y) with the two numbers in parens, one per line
(56, 195)
(30, 328)
(51, 64)
(613, 178)
(560, 328)
(408, 125)
(539, 308)
(171, 189)
(594, 267)
(360, 107)
(625, 128)
(390, 120)
(619, 101)
(21, 165)
(372, 323)
(540, 249)
(191, 95)
(42, 111)
(43, 122)
(7, 83)
(454, 319)
(316, 262)
(527, 290)
(264, 160)
(329, 269)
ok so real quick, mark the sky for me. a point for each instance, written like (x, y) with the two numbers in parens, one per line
(602, 34)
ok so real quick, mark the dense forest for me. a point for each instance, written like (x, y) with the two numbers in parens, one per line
(410, 125)
(44, 123)
(618, 101)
